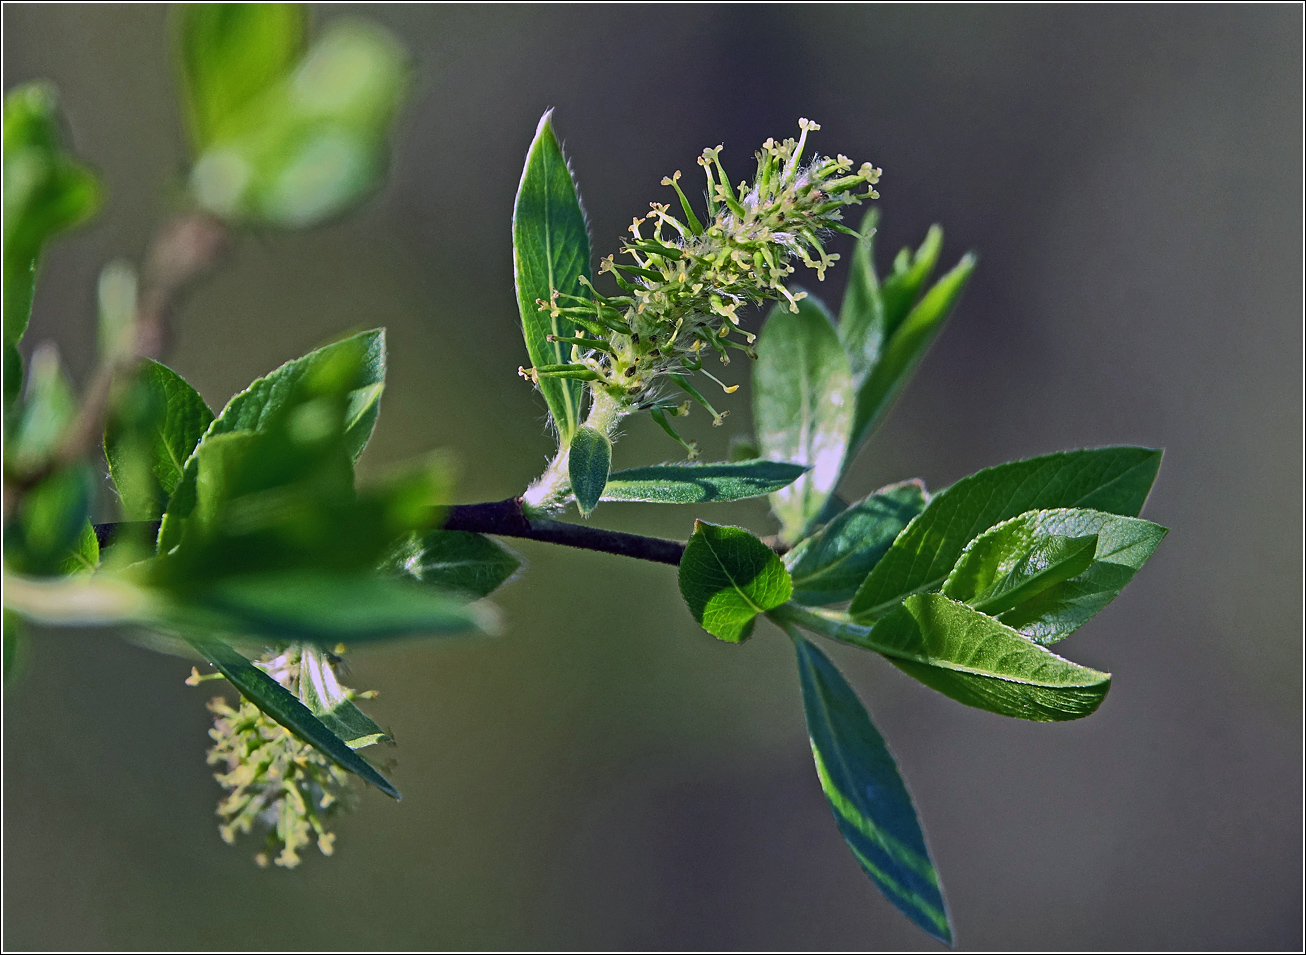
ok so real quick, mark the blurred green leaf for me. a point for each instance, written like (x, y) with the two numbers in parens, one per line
(906, 347)
(1110, 479)
(870, 802)
(1011, 570)
(968, 656)
(551, 250)
(48, 408)
(326, 699)
(802, 407)
(829, 566)
(229, 53)
(458, 561)
(265, 400)
(280, 704)
(117, 301)
(588, 464)
(728, 577)
(694, 483)
(45, 191)
(327, 607)
(314, 142)
(155, 428)
(49, 525)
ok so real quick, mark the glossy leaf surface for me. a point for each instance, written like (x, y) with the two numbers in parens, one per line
(1115, 480)
(728, 577)
(902, 287)
(551, 250)
(861, 317)
(694, 483)
(969, 656)
(280, 704)
(1067, 596)
(829, 566)
(329, 702)
(802, 407)
(588, 464)
(870, 802)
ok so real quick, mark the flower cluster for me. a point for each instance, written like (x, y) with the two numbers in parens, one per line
(683, 281)
(277, 782)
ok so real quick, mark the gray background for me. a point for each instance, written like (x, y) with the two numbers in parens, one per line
(604, 773)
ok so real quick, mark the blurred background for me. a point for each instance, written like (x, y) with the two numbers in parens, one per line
(605, 774)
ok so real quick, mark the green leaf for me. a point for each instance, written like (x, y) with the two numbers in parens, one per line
(329, 608)
(902, 287)
(802, 407)
(728, 577)
(1050, 604)
(266, 398)
(459, 561)
(906, 347)
(551, 251)
(314, 142)
(84, 556)
(48, 408)
(694, 483)
(968, 656)
(229, 53)
(829, 566)
(280, 704)
(588, 464)
(326, 699)
(861, 318)
(48, 529)
(150, 437)
(45, 192)
(870, 802)
(1115, 480)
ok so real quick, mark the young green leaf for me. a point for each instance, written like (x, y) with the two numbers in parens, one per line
(1050, 604)
(968, 656)
(861, 318)
(266, 398)
(728, 577)
(148, 441)
(906, 347)
(902, 287)
(45, 192)
(694, 483)
(1115, 480)
(588, 464)
(329, 608)
(280, 704)
(802, 407)
(312, 143)
(551, 252)
(829, 566)
(870, 802)
(329, 702)
(1049, 561)
(229, 53)
(470, 564)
